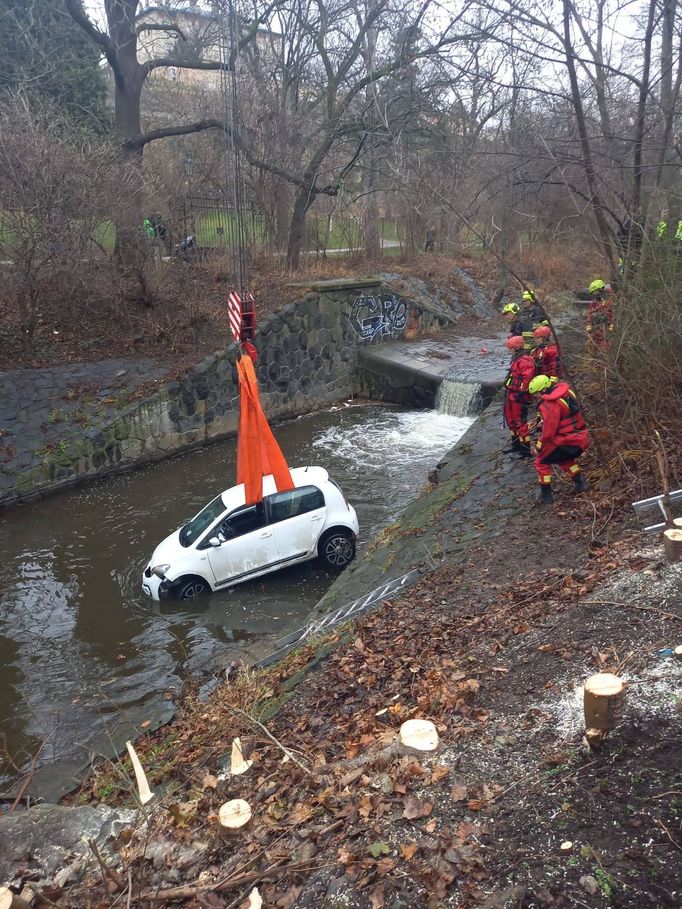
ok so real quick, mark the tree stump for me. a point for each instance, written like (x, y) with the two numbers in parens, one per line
(672, 543)
(420, 735)
(233, 815)
(604, 701)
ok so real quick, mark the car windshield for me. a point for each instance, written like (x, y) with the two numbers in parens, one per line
(193, 530)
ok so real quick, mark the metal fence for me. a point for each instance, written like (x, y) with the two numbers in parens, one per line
(211, 221)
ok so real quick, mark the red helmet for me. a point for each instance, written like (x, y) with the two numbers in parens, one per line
(542, 331)
(515, 342)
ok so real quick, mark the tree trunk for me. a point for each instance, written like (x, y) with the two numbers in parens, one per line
(588, 161)
(132, 247)
(372, 231)
(303, 200)
(281, 214)
(640, 125)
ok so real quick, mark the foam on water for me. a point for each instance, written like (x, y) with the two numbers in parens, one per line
(394, 439)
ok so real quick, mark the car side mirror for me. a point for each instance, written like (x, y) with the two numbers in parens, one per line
(215, 541)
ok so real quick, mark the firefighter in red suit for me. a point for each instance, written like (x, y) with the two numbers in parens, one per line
(516, 397)
(599, 313)
(546, 354)
(564, 435)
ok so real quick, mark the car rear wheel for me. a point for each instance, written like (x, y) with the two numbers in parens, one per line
(190, 588)
(336, 549)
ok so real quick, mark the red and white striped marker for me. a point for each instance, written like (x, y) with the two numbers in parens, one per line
(234, 312)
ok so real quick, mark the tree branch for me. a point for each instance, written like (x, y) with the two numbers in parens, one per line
(160, 27)
(166, 132)
(100, 38)
(210, 65)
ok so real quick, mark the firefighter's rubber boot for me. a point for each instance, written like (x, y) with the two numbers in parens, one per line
(513, 446)
(546, 496)
(579, 483)
(523, 451)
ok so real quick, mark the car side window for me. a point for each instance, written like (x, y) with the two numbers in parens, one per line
(243, 520)
(284, 505)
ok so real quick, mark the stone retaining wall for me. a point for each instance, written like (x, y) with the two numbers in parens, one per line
(308, 357)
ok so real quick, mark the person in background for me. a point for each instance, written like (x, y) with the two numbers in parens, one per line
(599, 313)
(517, 323)
(546, 353)
(516, 397)
(533, 313)
(564, 436)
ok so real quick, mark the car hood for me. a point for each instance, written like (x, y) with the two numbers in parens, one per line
(168, 550)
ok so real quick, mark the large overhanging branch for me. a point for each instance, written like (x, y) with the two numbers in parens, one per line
(187, 129)
(101, 38)
(160, 27)
(211, 65)
(207, 65)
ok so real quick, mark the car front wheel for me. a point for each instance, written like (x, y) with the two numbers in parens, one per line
(191, 588)
(337, 549)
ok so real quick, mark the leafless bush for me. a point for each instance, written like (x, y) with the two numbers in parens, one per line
(53, 216)
(645, 358)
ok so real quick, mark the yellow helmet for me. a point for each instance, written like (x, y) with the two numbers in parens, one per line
(538, 384)
(511, 307)
(528, 296)
(596, 286)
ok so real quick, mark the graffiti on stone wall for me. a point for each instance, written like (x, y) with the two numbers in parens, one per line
(377, 316)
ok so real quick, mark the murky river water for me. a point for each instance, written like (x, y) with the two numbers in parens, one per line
(84, 656)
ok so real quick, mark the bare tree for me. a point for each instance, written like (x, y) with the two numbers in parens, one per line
(51, 198)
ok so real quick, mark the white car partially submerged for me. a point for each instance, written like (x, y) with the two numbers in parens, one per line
(229, 542)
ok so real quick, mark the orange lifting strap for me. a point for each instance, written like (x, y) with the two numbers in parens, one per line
(258, 453)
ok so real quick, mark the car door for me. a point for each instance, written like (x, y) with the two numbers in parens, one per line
(296, 518)
(248, 546)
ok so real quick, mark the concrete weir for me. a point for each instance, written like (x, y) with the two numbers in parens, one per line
(456, 375)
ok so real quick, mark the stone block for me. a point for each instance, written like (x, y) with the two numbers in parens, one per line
(131, 449)
(201, 387)
(188, 403)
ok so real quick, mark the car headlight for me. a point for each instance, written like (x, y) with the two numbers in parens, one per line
(160, 570)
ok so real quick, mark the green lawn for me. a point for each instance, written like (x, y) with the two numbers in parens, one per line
(346, 235)
(216, 228)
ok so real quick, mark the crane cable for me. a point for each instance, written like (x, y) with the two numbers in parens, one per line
(234, 180)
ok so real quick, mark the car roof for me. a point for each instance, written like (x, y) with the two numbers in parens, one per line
(302, 476)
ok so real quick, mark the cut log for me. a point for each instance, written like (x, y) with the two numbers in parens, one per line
(234, 814)
(237, 764)
(672, 544)
(604, 701)
(421, 735)
(9, 900)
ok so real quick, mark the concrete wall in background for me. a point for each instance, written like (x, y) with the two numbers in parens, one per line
(308, 358)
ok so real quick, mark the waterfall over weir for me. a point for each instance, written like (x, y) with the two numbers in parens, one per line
(459, 399)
